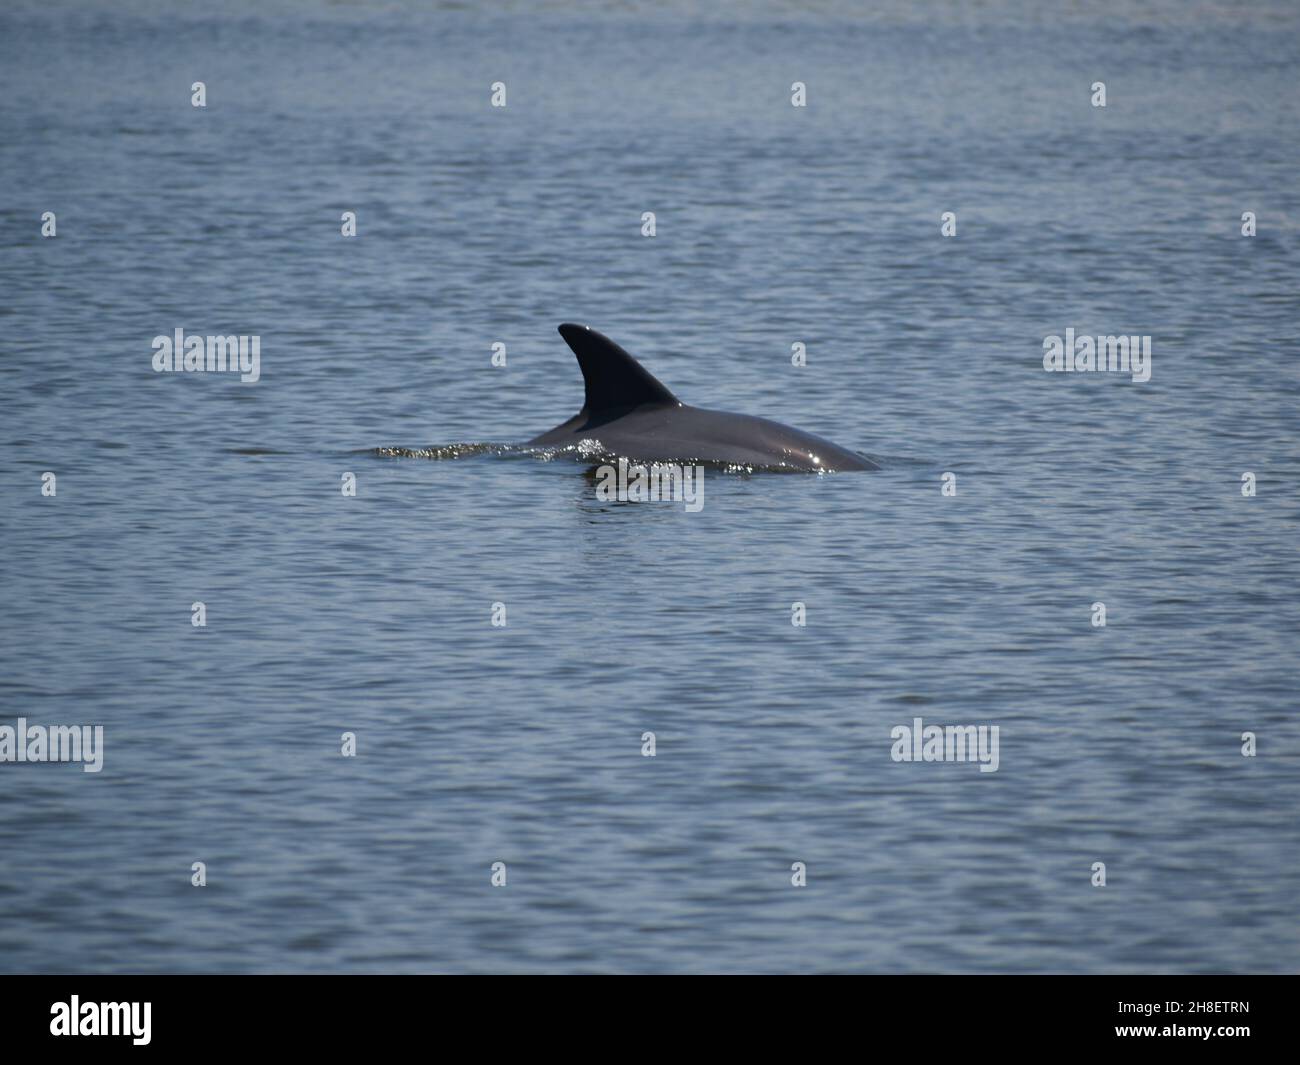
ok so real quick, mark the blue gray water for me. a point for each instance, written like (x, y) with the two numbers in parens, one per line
(522, 744)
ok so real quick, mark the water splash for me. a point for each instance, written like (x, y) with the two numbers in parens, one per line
(586, 451)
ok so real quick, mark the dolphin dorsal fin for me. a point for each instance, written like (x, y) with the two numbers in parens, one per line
(613, 378)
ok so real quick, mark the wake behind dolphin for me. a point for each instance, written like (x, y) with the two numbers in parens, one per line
(627, 412)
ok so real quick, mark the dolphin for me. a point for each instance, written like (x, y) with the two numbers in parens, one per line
(632, 414)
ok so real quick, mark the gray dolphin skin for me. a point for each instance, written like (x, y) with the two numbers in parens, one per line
(634, 415)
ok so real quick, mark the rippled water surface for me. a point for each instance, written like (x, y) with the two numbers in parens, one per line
(521, 744)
